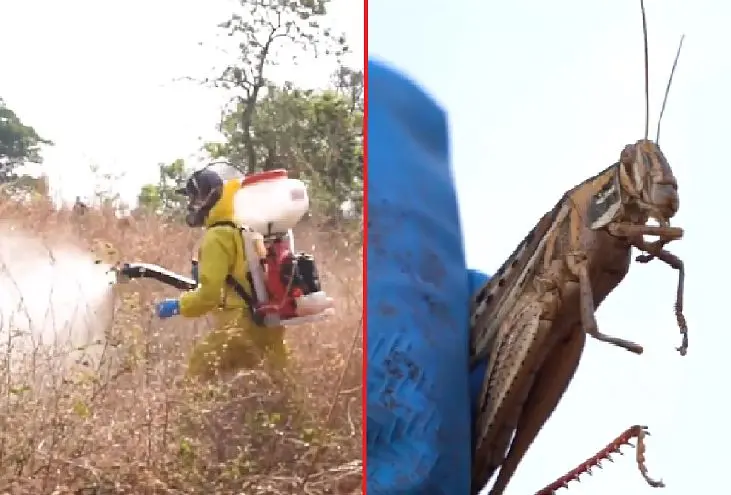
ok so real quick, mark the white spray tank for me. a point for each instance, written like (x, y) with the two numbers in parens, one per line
(270, 204)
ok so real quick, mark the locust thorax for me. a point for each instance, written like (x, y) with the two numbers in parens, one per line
(648, 184)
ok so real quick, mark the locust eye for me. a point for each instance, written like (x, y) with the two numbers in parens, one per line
(627, 156)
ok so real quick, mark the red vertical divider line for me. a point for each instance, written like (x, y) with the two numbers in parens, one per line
(364, 386)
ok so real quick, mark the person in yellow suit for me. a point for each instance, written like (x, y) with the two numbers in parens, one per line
(236, 342)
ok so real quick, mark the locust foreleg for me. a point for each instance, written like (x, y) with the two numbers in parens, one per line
(505, 428)
(632, 231)
(655, 250)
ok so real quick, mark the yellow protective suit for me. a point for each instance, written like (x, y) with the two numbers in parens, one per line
(236, 341)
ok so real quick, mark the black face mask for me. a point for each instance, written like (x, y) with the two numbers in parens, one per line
(199, 210)
(203, 189)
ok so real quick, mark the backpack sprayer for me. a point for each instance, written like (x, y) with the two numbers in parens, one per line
(285, 285)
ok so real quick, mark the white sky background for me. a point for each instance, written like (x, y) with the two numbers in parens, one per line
(541, 95)
(98, 79)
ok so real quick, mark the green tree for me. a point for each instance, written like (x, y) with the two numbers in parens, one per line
(316, 135)
(263, 28)
(162, 197)
(350, 83)
(149, 198)
(19, 143)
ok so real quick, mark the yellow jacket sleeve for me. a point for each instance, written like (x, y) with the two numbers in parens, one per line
(217, 253)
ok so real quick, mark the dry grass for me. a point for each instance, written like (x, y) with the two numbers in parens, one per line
(116, 416)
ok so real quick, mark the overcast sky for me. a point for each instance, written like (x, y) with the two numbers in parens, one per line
(97, 78)
(541, 95)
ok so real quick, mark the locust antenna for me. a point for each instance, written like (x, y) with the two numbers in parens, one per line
(667, 89)
(647, 71)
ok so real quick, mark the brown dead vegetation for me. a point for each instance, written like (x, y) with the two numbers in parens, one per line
(118, 418)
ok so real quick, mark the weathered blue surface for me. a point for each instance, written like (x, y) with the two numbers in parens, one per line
(476, 281)
(419, 427)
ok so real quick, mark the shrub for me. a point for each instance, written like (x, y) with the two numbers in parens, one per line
(114, 414)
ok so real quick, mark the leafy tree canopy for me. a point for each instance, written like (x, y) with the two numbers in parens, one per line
(19, 143)
(317, 135)
(161, 198)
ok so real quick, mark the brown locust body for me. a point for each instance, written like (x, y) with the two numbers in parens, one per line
(530, 320)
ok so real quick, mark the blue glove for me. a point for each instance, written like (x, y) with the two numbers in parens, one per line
(194, 270)
(168, 308)
(419, 435)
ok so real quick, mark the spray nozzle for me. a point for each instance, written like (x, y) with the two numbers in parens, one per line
(119, 273)
(124, 272)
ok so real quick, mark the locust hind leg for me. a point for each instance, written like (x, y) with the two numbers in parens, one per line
(550, 383)
(519, 350)
(578, 265)
(524, 341)
(641, 432)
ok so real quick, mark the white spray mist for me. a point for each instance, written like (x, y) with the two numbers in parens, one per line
(51, 294)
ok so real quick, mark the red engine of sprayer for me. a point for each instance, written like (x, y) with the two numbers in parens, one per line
(287, 276)
(278, 263)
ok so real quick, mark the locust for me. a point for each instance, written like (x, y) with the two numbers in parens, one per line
(531, 319)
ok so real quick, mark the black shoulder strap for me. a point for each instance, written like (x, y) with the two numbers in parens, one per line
(224, 223)
(249, 299)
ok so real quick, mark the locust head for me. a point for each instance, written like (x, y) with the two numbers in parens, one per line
(647, 182)
(648, 186)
